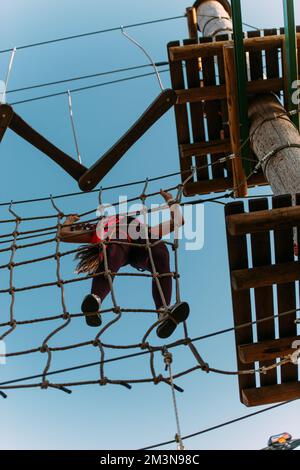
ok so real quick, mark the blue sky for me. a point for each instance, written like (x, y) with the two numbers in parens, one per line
(112, 417)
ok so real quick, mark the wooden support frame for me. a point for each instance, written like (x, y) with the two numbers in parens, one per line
(214, 91)
(194, 51)
(272, 271)
(191, 15)
(267, 350)
(106, 162)
(261, 221)
(239, 177)
(20, 127)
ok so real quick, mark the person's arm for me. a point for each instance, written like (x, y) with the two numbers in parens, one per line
(175, 221)
(69, 233)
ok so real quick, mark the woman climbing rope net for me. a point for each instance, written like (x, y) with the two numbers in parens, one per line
(125, 240)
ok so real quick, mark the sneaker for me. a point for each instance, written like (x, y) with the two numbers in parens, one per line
(91, 304)
(171, 318)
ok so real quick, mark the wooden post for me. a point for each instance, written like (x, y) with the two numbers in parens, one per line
(279, 136)
(192, 22)
(239, 178)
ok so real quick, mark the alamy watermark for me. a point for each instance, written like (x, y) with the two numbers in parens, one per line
(156, 220)
(295, 357)
(296, 93)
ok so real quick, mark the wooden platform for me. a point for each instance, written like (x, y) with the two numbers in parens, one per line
(206, 118)
(264, 281)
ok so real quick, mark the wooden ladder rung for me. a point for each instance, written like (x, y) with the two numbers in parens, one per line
(205, 148)
(219, 184)
(267, 350)
(218, 92)
(271, 394)
(195, 51)
(263, 276)
(254, 222)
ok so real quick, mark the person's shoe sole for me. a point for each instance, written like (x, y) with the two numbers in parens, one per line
(91, 305)
(180, 313)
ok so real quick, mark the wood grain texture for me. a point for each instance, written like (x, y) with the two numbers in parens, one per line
(71, 166)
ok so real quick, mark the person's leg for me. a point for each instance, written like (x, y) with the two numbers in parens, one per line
(161, 259)
(117, 256)
(175, 314)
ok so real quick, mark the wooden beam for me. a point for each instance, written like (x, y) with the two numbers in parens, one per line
(285, 292)
(191, 15)
(265, 275)
(219, 92)
(254, 222)
(241, 301)
(181, 114)
(207, 93)
(267, 350)
(203, 50)
(219, 185)
(204, 148)
(239, 177)
(271, 394)
(263, 297)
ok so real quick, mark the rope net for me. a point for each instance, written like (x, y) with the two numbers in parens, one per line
(13, 321)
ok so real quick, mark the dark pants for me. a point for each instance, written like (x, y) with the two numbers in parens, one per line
(121, 255)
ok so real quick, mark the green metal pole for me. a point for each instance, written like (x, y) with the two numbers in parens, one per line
(241, 70)
(291, 53)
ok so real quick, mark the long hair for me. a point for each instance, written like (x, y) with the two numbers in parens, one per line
(89, 259)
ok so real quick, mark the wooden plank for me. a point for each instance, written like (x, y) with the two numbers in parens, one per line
(254, 222)
(286, 296)
(212, 111)
(239, 177)
(220, 185)
(272, 57)
(206, 93)
(264, 306)
(191, 15)
(255, 59)
(207, 50)
(196, 111)
(238, 259)
(199, 149)
(181, 113)
(69, 164)
(225, 133)
(267, 350)
(210, 93)
(271, 394)
(284, 63)
(280, 273)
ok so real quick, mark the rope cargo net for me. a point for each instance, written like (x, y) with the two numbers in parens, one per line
(13, 322)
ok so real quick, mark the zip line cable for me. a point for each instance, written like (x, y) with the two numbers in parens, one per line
(93, 33)
(89, 87)
(218, 426)
(84, 77)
